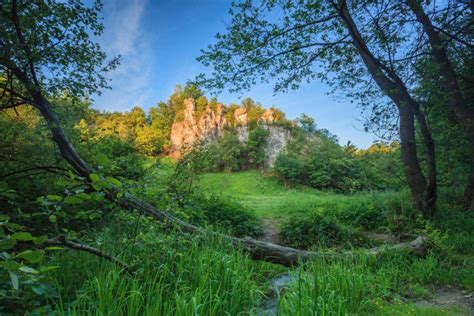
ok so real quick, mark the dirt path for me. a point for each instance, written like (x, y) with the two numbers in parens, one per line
(271, 231)
(450, 297)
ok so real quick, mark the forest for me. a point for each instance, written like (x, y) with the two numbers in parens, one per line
(197, 207)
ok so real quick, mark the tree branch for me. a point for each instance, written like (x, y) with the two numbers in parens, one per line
(62, 241)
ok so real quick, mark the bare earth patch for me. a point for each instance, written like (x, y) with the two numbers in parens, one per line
(450, 297)
(271, 231)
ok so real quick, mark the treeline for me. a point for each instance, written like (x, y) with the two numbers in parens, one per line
(149, 133)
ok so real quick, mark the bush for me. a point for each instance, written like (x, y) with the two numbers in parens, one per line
(256, 146)
(228, 215)
(332, 168)
(316, 229)
(289, 169)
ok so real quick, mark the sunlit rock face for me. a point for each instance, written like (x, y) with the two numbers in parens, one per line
(240, 115)
(210, 125)
(268, 116)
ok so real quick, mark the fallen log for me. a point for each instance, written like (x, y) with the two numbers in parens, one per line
(261, 250)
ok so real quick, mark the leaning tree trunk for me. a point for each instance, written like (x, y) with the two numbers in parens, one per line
(423, 194)
(451, 86)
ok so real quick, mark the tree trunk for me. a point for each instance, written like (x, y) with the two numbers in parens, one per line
(422, 198)
(423, 194)
(431, 189)
(459, 105)
(67, 149)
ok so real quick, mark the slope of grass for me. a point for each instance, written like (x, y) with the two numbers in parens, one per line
(263, 194)
(268, 198)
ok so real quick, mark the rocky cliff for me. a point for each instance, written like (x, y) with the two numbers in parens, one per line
(211, 124)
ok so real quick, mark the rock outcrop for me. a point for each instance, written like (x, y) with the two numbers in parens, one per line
(211, 124)
(191, 129)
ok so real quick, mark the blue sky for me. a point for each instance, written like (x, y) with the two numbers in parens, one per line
(159, 41)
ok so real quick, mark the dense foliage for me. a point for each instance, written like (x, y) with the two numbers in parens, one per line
(314, 158)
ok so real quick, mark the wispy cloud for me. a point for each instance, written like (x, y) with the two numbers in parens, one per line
(125, 35)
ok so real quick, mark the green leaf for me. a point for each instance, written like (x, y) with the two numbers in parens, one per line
(39, 290)
(83, 196)
(54, 248)
(54, 198)
(94, 177)
(9, 265)
(32, 256)
(53, 218)
(28, 270)
(14, 279)
(40, 239)
(7, 244)
(72, 199)
(103, 160)
(22, 236)
(71, 174)
(4, 218)
(114, 181)
(15, 226)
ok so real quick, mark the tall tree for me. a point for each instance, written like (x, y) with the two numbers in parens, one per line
(356, 46)
(439, 39)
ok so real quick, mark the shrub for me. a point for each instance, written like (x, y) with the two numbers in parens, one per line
(256, 146)
(332, 168)
(316, 229)
(224, 214)
(289, 169)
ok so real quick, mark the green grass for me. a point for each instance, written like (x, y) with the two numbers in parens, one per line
(366, 286)
(176, 275)
(267, 197)
(263, 194)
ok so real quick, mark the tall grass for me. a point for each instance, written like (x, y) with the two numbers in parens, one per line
(177, 275)
(364, 285)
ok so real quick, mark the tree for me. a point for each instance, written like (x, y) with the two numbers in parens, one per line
(307, 123)
(450, 78)
(256, 146)
(359, 47)
(46, 51)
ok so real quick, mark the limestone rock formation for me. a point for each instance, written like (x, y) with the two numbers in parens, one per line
(277, 140)
(241, 117)
(209, 125)
(268, 116)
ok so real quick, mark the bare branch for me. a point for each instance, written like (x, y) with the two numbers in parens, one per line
(62, 241)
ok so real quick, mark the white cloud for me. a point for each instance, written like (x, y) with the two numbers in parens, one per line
(124, 35)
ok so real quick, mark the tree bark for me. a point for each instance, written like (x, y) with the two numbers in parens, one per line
(450, 83)
(431, 190)
(423, 194)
